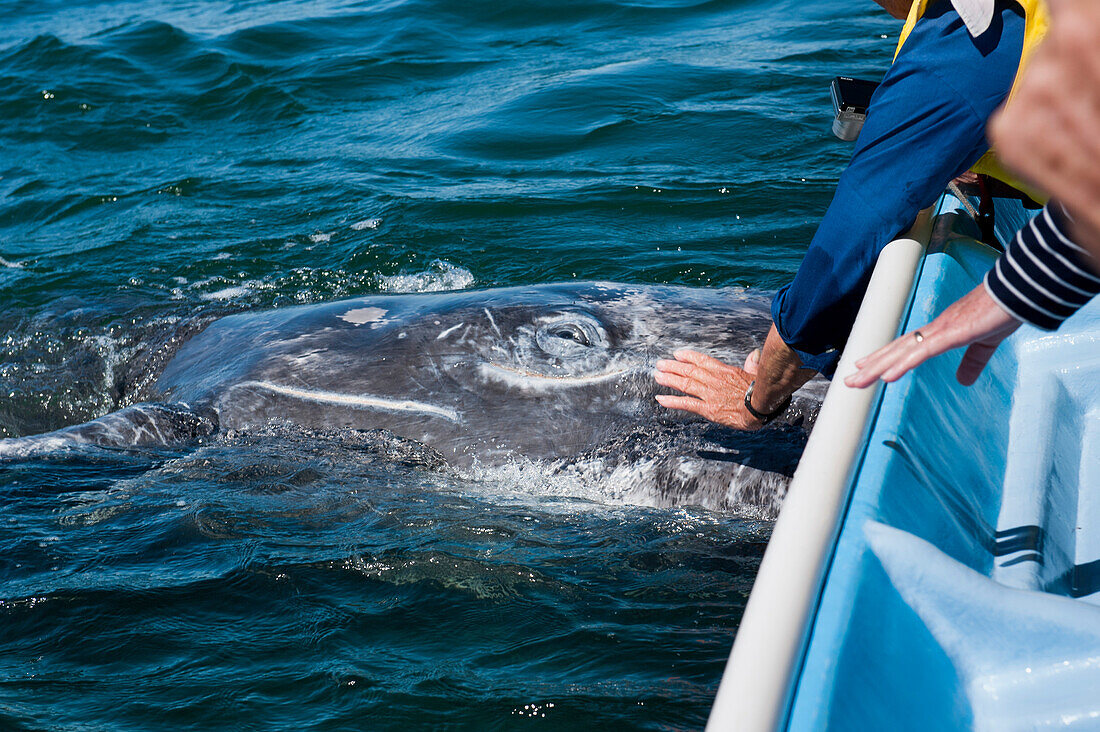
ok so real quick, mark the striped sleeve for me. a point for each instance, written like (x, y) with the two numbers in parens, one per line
(1043, 277)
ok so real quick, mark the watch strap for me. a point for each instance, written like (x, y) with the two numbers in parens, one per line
(765, 417)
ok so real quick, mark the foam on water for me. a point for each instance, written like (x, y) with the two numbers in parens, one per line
(54, 376)
(165, 164)
(228, 293)
(441, 276)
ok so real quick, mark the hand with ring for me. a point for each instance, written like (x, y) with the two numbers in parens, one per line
(976, 321)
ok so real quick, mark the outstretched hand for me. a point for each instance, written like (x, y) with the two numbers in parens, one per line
(976, 320)
(717, 390)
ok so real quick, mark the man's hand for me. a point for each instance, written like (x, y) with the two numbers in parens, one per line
(1049, 132)
(717, 390)
(975, 320)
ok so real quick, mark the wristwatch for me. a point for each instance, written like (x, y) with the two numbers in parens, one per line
(765, 417)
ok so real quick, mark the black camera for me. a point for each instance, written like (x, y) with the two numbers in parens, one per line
(851, 98)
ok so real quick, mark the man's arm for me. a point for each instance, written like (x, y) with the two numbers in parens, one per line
(897, 8)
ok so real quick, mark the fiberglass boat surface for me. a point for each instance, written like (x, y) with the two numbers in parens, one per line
(960, 587)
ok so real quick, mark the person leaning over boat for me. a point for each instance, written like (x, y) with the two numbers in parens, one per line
(956, 64)
(1050, 135)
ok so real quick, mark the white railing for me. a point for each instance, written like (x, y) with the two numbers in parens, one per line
(756, 687)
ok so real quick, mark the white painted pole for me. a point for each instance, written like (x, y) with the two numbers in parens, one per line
(756, 687)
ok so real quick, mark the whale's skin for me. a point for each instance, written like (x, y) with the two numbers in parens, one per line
(561, 373)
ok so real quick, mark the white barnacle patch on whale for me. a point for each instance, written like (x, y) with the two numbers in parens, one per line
(447, 332)
(493, 322)
(533, 379)
(361, 316)
(364, 401)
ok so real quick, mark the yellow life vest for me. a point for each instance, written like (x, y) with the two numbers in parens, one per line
(1036, 22)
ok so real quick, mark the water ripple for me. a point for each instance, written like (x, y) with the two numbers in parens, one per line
(168, 163)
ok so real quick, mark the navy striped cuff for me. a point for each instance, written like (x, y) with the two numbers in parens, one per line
(1043, 277)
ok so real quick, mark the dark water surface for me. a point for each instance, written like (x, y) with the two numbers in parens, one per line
(164, 163)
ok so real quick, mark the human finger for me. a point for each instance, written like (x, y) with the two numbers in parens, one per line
(974, 362)
(906, 361)
(874, 369)
(873, 366)
(683, 403)
(737, 419)
(906, 352)
(752, 362)
(869, 371)
(681, 383)
(682, 368)
(701, 359)
(950, 330)
(885, 352)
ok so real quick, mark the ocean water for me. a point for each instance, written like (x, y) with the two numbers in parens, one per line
(165, 163)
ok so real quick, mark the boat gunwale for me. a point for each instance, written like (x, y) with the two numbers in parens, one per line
(769, 650)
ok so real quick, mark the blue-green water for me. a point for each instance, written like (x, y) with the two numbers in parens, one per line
(163, 163)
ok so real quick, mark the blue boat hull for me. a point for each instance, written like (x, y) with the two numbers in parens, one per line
(963, 592)
(936, 565)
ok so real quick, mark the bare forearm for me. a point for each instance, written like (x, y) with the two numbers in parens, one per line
(897, 8)
(779, 375)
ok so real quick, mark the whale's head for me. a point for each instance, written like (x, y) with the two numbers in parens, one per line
(545, 372)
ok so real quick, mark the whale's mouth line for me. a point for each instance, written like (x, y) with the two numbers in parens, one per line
(557, 379)
(360, 401)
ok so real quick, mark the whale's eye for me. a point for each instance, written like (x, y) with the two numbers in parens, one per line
(571, 332)
(571, 335)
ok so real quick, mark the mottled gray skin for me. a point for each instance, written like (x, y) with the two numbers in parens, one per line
(553, 373)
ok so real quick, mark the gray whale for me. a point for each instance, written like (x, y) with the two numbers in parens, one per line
(559, 373)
